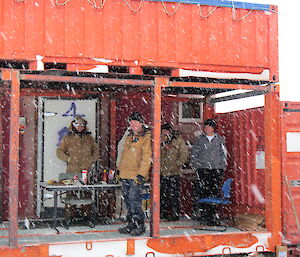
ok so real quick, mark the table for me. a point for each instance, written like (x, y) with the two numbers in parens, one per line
(64, 188)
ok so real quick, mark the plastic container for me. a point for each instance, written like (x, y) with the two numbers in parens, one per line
(84, 176)
(104, 176)
(111, 176)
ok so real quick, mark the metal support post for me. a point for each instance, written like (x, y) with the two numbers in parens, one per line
(273, 164)
(156, 122)
(14, 157)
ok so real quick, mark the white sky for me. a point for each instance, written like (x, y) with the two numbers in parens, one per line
(289, 55)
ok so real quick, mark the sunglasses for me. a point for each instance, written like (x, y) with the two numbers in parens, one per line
(78, 124)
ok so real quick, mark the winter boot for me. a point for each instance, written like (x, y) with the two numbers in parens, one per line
(140, 228)
(130, 225)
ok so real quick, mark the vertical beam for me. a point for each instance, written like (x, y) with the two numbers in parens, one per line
(155, 182)
(175, 73)
(208, 109)
(273, 45)
(113, 127)
(130, 247)
(14, 157)
(272, 170)
(1, 158)
(137, 70)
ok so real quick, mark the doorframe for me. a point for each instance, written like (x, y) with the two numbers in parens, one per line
(40, 142)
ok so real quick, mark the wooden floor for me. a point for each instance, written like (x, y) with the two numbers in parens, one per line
(41, 232)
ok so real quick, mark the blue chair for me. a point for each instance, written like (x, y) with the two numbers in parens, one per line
(223, 201)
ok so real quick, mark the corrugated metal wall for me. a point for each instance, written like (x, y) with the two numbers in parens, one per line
(290, 173)
(142, 103)
(244, 133)
(5, 103)
(27, 173)
(147, 37)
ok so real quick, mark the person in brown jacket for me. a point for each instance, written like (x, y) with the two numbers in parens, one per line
(79, 150)
(174, 153)
(134, 166)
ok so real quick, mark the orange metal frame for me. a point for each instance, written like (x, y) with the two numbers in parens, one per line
(32, 251)
(273, 162)
(155, 194)
(272, 140)
(13, 76)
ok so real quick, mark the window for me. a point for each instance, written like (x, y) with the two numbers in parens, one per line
(293, 142)
(190, 111)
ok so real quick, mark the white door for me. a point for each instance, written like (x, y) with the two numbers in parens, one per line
(55, 118)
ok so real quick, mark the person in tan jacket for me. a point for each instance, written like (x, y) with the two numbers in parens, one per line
(174, 153)
(79, 150)
(134, 166)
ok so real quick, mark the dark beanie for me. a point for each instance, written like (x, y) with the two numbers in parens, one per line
(136, 116)
(167, 126)
(211, 123)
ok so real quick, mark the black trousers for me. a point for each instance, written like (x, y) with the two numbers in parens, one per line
(169, 197)
(209, 184)
(132, 194)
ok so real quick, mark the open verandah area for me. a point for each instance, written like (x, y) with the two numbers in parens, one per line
(17, 83)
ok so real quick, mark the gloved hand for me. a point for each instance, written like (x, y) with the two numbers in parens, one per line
(139, 180)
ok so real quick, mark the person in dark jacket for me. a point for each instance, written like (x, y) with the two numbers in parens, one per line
(174, 153)
(209, 156)
(134, 166)
(79, 150)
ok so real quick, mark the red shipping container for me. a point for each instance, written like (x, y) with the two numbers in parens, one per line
(81, 36)
(290, 124)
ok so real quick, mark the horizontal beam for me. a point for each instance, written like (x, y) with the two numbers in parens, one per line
(238, 96)
(87, 80)
(217, 85)
(132, 82)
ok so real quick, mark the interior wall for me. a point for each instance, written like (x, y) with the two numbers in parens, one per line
(104, 131)
(142, 104)
(28, 152)
(244, 134)
(27, 157)
(5, 155)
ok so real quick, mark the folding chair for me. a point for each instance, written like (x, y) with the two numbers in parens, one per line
(223, 201)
